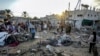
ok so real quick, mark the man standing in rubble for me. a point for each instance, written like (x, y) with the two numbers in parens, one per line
(58, 25)
(45, 26)
(92, 41)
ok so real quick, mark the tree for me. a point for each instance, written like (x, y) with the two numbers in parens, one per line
(9, 13)
(25, 14)
(35, 17)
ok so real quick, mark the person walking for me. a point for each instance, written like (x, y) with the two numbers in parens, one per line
(58, 25)
(32, 30)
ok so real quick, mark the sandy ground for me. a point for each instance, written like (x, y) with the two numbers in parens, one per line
(68, 50)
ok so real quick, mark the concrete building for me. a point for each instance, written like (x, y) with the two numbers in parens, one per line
(84, 14)
(52, 18)
(19, 19)
(77, 16)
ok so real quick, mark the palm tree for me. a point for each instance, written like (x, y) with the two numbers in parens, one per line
(9, 13)
(25, 14)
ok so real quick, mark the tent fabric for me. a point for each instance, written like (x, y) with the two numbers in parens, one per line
(86, 22)
(3, 36)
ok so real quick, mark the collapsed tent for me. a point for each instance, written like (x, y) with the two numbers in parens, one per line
(7, 39)
(64, 40)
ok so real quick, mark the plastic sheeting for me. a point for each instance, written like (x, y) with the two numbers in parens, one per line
(3, 36)
(50, 48)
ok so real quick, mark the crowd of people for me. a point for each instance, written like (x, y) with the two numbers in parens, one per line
(32, 27)
(12, 27)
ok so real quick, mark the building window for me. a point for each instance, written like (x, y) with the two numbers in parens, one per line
(80, 15)
(94, 15)
(88, 15)
(70, 15)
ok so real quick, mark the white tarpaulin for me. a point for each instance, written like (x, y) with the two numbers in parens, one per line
(3, 36)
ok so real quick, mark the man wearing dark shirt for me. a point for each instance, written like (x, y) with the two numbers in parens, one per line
(93, 41)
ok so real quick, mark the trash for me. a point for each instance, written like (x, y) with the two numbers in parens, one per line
(59, 53)
(45, 32)
(33, 50)
(60, 40)
(53, 42)
(65, 40)
(18, 51)
(50, 48)
(59, 43)
(66, 43)
(32, 54)
(37, 36)
(44, 43)
(76, 44)
(54, 32)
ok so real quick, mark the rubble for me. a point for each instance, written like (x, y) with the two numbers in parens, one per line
(76, 44)
(48, 46)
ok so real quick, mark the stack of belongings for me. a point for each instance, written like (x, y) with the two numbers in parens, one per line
(53, 42)
(65, 40)
(11, 41)
(3, 37)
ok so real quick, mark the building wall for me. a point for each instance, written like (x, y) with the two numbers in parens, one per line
(79, 15)
(19, 20)
(84, 14)
(52, 18)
